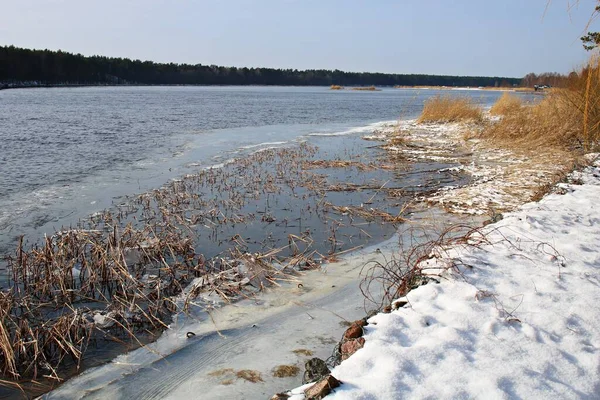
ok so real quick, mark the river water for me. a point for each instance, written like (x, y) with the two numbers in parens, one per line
(66, 153)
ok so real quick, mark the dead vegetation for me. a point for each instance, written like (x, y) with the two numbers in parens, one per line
(507, 104)
(303, 352)
(221, 372)
(249, 375)
(228, 375)
(127, 270)
(285, 371)
(566, 118)
(415, 265)
(338, 164)
(440, 109)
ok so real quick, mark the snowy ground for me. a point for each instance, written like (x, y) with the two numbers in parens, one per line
(503, 179)
(514, 318)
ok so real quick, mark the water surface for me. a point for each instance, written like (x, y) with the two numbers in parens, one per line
(69, 152)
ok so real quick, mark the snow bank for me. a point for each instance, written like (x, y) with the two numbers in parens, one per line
(516, 318)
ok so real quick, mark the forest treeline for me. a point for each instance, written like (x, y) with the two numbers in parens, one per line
(20, 66)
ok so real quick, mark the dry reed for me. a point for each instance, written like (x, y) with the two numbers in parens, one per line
(450, 109)
(506, 104)
(383, 282)
(367, 88)
(567, 118)
(118, 273)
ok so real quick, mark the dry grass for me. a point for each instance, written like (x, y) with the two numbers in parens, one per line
(221, 372)
(336, 87)
(249, 375)
(506, 104)
(450, 109)
(285, 371)
(303, 352)
(566, 118)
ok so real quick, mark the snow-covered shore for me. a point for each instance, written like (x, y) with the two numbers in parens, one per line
(513, 318)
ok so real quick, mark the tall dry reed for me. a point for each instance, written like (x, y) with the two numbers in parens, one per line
(567, 118)
(506, 104)
(450, 109)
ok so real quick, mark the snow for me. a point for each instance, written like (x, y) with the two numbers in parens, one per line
(502, 178)
(513, 318)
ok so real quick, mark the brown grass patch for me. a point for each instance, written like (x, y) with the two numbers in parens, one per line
(221, 372)
(506, 104)
(303, 352)
(450, 109)
(249, 375)
(336, 87)
(285, 371)
(566, 118)
(226, 382)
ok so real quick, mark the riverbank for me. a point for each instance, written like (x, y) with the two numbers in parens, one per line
(237, 352)
(514, 310)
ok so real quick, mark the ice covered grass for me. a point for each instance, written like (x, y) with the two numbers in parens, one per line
(515, 317)
(216, 236)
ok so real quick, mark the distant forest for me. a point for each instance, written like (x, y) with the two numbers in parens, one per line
(24, 67)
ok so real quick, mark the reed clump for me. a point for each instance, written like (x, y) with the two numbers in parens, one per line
(506, 104)
(568, 118)
(336, 87)
(285, 371)
(440, 109)
(367, 88)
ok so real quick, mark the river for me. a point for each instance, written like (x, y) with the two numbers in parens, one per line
(66, 153)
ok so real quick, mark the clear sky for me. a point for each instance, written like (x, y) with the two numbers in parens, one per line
(453, 37)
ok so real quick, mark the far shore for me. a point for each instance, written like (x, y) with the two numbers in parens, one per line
(356, 87)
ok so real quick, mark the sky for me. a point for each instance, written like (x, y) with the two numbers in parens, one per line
(447, 37)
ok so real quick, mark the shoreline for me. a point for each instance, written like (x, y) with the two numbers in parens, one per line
(493, 317)
(421, 171)
(263, 368)
(349, 88)
(303, 319)
(215, 178)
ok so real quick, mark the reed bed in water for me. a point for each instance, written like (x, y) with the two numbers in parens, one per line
(125, 271)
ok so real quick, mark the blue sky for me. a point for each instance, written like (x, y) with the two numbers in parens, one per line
(455, 37)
